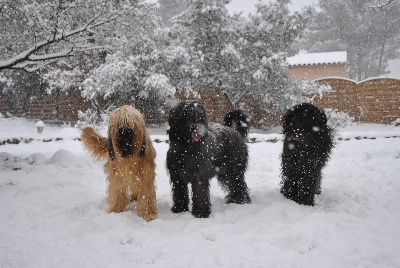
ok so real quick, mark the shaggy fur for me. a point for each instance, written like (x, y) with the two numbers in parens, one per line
(238, 119)
(307, 145)
(130, 165)
(199, 152)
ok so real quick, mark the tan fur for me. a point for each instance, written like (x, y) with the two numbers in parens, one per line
(131, 178)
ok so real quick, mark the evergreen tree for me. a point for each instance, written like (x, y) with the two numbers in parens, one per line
(371, 36)
(242, 57)
(268, 39)
(202, 28)
(169, 9)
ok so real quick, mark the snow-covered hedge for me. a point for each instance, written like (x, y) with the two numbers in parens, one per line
(89, 117)
(396, 122)
(337, 118)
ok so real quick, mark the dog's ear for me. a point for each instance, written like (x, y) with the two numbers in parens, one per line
(143, 149)
(110, 147)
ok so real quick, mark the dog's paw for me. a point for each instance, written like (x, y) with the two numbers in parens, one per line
(147, 209)
(149, 216)
(235, 199)
(116, 209)
(179, 209)
(201, 214)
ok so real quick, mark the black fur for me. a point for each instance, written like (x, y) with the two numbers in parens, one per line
(124, 141)
(143, 149)
(307, 145)
(199, 152)
(110, 147)
(240, 120)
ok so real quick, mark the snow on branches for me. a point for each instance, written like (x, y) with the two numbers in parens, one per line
(37, 32)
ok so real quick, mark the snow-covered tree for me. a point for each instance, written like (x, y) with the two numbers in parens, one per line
(143, 73)
(370, 36)
(203, 30)
(68, 73)
(242, 57)
(268, 39)
(171, 58)
(169, 9)
(382, 3)
(35, 32)
(19, 87)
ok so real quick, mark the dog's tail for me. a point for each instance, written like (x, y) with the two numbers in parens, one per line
(95, 144)
(238, 120)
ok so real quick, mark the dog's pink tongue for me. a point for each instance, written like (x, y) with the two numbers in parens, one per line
(196, 137)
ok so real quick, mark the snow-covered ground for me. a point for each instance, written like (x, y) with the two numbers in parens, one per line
(53, 208)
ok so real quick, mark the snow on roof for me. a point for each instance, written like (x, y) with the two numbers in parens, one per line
(318, 58)
(357, 82)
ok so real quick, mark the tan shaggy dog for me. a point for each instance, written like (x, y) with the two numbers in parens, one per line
(130, 165)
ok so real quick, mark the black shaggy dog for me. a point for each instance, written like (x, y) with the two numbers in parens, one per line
(307, 145)
(197, 153)
(239, 120)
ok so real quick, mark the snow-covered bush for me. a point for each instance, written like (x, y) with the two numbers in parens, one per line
(116, 76)
(68, 74)
(91, 117)
(396, 122)
(337, 118)
(140, 76)
(158, 83)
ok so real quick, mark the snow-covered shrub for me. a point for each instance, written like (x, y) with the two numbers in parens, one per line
(136, 78)
(159, 84)
(337, 118)
(90, 117)
(396, 122)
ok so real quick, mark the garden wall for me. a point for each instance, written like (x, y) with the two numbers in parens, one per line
(58, 107)
(370, 101)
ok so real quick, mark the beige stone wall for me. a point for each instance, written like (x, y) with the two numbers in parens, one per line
(312, 72)
(62, 107)
(371, 101)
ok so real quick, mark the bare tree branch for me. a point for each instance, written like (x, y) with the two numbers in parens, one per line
(28, 56)
(2, 6)
(383, 3)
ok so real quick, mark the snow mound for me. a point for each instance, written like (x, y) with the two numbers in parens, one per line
(66, 159)
(11, 162)
(36, 159)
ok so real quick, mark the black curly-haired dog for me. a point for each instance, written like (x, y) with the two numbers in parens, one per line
(307, 145)
(197, 153)
(238, 120)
